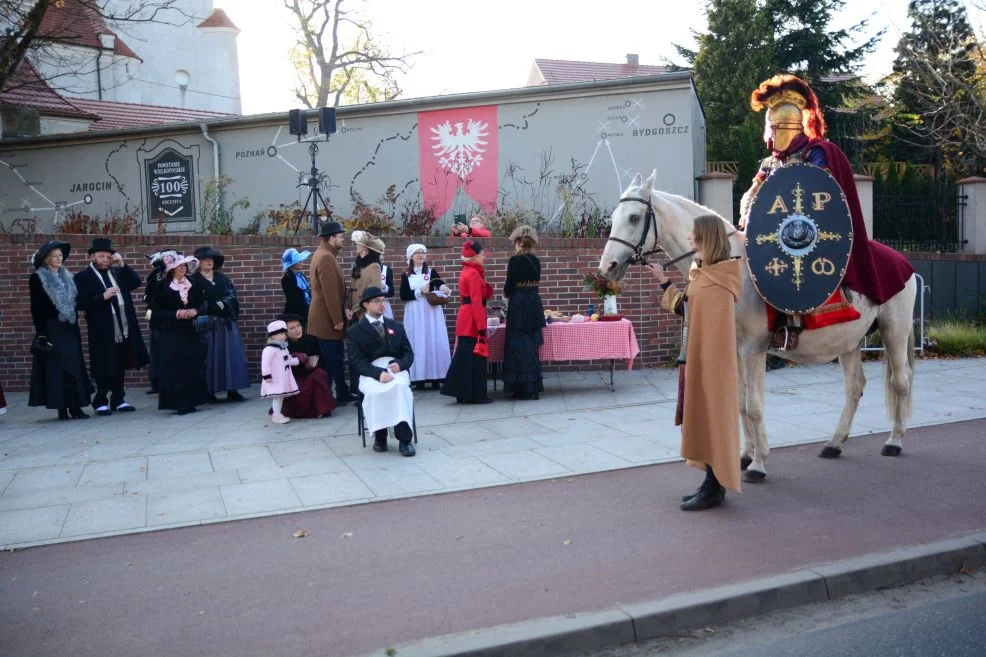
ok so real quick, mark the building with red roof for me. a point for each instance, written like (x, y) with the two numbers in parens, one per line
(86, 77)
(563, 71)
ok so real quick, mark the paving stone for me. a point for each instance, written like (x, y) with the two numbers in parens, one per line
(110, 472)
(103, 516)
(259, 497)
(28, 525)
(185, 506)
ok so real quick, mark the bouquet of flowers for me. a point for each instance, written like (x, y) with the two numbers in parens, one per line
(599, 285)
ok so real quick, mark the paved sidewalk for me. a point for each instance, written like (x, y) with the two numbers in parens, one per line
(63, 481)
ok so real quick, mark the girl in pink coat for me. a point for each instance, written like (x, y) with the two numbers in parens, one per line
(275, 367)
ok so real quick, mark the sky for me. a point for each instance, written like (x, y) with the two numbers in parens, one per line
(466, 47)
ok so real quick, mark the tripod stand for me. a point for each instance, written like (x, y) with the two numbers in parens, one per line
(314, 195)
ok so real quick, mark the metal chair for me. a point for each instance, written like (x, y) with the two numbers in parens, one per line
(361, 421)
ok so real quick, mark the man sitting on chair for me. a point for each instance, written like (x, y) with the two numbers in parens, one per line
(380, 354)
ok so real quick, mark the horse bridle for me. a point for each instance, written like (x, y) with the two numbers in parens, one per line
(639, 256)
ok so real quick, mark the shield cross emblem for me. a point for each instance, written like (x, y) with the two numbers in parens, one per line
(799, 236)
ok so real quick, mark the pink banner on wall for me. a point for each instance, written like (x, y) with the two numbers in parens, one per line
(458, 148)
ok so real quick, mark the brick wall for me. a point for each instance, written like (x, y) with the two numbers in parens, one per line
(254, 265)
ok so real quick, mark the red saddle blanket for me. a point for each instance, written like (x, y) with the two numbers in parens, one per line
(834, 311)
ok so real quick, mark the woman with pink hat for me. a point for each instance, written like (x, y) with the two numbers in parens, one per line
(177, 302)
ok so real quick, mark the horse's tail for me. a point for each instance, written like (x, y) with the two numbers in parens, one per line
(888, 380)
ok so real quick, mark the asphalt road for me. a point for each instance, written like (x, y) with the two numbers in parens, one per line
(949, 628)
(940, 617)
(379, 575)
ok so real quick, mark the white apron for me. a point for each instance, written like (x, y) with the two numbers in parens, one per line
(388, 312)
(387, 404)
(428, 334)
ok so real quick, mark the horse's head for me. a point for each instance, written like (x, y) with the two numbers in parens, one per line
(633, 231)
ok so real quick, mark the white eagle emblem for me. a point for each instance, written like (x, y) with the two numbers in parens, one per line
(458, 151)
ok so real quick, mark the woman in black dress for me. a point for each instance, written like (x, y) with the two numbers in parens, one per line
(153, 322)
(225, 358)
(294, 282)
(58, 379)
(525, 319)
(177, 301)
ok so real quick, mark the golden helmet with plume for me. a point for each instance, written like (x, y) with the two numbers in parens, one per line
(792, 110)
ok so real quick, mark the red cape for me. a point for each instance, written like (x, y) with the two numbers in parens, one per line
(874, 269)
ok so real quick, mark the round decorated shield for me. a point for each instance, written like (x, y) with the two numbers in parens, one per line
(799, 236)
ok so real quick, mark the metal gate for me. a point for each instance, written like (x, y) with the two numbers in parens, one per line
(869, 344)
(918, 211)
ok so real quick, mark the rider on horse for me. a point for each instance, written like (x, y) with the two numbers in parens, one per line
(794, 132)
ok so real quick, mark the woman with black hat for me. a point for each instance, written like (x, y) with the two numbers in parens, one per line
(177, 302)
(466, 377)
(153, 321)
(225, 358)
(58, 374)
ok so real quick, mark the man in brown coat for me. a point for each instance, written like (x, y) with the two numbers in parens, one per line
(328, 316)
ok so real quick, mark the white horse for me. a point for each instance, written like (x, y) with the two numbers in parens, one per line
(646, 219)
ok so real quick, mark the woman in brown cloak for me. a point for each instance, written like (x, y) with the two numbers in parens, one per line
(708, 387)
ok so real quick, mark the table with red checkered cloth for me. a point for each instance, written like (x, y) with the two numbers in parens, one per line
(579, 341)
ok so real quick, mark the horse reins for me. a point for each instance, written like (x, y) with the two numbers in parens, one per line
(639, 256)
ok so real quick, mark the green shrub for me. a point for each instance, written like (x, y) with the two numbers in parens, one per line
(952, 337)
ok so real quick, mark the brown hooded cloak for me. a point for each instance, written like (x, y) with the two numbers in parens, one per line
(710, 416)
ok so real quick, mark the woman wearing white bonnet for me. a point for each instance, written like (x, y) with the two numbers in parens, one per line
(424, 322)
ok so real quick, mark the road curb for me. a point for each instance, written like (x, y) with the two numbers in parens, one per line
(628, 623)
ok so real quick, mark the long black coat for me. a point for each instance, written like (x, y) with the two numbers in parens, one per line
(364, 346)
(294, 296)
(149, 290)
(218, 291)
(100, 320)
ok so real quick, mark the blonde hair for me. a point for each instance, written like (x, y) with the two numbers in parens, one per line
(525, 243)
(711, 237)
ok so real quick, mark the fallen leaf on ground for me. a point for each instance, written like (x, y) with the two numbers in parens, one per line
(301, 533)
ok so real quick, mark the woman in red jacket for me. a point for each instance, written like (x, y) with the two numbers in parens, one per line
(466, 377)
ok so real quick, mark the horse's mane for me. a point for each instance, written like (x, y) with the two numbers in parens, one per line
(681, 205)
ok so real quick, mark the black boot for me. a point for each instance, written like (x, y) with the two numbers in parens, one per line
(380, 441)
(709, 495)
(406, 448)
(63, 414)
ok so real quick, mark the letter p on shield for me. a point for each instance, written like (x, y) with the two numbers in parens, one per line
(821, 200)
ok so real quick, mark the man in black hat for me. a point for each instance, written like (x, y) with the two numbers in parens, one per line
(380, 354)
(115, 342)
(328, 315)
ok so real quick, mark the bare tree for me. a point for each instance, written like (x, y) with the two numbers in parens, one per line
(939, 87)
(337, 57)
(24, 33)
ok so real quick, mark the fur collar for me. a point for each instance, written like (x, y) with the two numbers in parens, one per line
(363, 262)
(60, 288)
